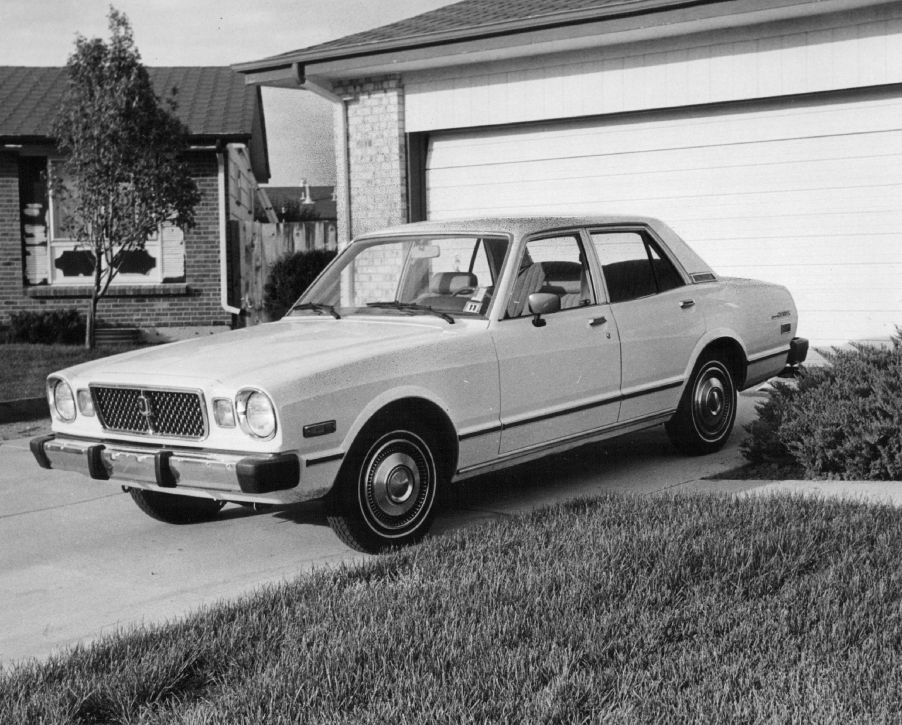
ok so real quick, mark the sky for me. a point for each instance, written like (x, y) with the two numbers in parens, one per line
(216, 32)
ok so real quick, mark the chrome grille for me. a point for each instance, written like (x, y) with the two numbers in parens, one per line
(147, 411)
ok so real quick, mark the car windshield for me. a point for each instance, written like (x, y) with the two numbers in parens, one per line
(441, 275)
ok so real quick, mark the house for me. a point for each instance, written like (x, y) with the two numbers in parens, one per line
(301, 203)
(767, 134)
(183, 282)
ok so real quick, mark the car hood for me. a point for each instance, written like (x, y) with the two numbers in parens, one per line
(260, 353)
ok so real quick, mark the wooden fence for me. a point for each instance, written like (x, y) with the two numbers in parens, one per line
(262, 244)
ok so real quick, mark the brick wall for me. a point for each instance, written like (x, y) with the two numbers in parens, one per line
(11, 269)
(377, 153)
(193, 303)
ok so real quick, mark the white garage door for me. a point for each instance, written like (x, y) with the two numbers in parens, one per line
(806, 194)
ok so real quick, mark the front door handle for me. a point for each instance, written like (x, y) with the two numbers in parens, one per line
(686, 304)
(596, 321)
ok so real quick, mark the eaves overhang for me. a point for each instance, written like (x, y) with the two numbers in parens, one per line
(195, 142)
(612, 24)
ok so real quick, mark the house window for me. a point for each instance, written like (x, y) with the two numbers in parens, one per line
(53, 257)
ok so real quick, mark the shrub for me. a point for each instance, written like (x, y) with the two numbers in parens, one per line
(48, 327)
(841, 421)
(290, 276)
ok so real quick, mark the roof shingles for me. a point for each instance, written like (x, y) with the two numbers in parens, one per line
(211, 101)
(475, 16)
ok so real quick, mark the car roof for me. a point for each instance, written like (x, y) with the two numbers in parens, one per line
(517, 225)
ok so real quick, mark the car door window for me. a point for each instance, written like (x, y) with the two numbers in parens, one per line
(633, 265)
(555, 265)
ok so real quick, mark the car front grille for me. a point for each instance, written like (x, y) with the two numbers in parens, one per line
(147, 411)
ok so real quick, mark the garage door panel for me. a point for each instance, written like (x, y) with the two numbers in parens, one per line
(611, 138)
(822, 280)
(600, 178)
(786, 250)
(833, 324)
(576, 161)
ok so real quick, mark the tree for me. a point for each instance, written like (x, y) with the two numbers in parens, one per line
(125, 173)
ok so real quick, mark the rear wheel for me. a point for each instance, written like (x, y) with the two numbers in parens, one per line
(704, 420)
(386, 490)
(175, 509)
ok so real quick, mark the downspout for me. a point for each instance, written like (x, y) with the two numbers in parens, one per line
(343, 167)
(223, 188)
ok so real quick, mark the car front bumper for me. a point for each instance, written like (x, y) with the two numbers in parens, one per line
(257, 478)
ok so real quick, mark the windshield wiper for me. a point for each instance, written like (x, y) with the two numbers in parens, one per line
(317, 307)
(412, 308)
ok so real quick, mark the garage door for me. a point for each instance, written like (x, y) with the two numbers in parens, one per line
(805, 193)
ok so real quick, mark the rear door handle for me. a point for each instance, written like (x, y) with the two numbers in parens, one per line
(686, 304)
(596, 321)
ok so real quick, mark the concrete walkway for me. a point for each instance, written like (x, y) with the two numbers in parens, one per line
(78, 560)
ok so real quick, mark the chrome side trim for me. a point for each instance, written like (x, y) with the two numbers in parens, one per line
(773, 352)
(606, 400)
(563, 444)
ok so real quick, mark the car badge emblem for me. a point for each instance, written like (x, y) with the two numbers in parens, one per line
(145, 410)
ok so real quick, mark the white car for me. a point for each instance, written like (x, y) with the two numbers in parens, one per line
(424, 355)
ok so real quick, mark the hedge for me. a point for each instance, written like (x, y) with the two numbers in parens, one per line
(840, 421)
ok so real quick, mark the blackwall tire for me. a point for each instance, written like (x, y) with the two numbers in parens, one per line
(385, 495)
(175, 509)
(707, 411)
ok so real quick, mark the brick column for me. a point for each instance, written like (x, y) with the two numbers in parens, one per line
(11, 272)
(376, 152)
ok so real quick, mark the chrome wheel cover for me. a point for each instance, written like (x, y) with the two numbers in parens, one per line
(713, 404)
(397, 484)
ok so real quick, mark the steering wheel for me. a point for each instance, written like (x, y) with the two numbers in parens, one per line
(464, 291)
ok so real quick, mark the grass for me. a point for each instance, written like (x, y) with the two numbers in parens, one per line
(622, 609)
(25, 367)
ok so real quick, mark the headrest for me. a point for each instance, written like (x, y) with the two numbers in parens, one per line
(448, 283)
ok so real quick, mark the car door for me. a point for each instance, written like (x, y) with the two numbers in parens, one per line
(559, 378)
(656, 316)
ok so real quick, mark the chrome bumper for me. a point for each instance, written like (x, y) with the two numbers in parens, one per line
(257, 478)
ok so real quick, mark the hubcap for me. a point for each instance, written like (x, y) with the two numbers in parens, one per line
(398, 484)
(395, 482)
(712, 405)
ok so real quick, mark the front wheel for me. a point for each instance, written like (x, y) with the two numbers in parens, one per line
(386, 490)
(175, 509)
(704, 419)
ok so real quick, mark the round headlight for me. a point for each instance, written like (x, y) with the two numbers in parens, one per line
(256, 413)
(62, 401)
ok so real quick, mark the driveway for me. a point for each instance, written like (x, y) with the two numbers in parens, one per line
(79, 560)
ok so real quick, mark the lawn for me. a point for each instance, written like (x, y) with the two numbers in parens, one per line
(25, 367)
(622, 609)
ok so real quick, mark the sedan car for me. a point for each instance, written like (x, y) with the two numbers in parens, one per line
(424, 355)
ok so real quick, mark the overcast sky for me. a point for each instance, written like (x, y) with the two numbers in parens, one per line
(215, 32)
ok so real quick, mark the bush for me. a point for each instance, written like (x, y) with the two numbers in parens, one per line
(290, 276)
(48, 327)
(843, 421)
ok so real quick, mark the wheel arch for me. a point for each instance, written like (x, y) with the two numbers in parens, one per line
(427, 413)
(732, 353)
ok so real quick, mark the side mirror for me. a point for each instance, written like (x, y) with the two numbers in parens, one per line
(542, 303)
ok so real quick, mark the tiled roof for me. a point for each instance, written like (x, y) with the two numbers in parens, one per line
(475, 18)
(212, 101)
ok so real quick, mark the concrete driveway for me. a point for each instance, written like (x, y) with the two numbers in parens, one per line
(79, 560)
